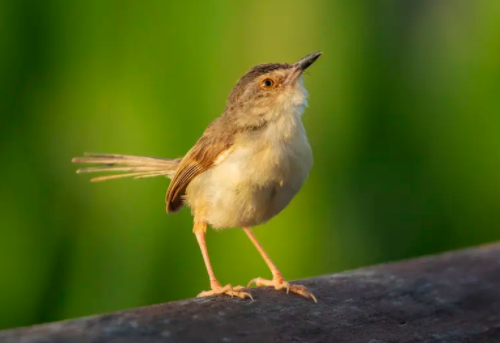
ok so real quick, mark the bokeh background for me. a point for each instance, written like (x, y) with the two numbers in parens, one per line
(404, 121)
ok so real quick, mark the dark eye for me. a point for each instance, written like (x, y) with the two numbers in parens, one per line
(267, 83)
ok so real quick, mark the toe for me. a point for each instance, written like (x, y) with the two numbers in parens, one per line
(283, 284)
(227, 290)
(238, 292)
(303, 291)
(279, 284)
(260, 282)
(238, 288)
(257, 281)
(243, 295)
(253, 281)
(205, 294)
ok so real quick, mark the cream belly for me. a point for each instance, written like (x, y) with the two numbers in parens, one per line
(254, 182)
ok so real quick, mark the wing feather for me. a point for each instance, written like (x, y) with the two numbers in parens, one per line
(199, 159)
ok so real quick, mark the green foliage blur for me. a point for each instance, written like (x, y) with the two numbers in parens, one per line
(404, 121)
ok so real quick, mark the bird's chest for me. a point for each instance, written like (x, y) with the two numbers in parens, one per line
(276, 163)
(256, 180)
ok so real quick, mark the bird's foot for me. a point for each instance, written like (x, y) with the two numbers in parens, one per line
(217, 289)
(278, 283)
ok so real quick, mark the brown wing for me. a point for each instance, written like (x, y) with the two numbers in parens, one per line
(199, 159)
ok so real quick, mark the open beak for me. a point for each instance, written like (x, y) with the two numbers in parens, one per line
(302, 64)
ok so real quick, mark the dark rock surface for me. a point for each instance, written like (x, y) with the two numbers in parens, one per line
(453, 297)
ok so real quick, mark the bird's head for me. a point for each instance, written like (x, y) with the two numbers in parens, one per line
(270, 89)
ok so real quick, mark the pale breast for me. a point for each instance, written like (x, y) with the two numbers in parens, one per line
(254, 182)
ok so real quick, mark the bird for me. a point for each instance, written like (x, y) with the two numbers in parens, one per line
(247, 166)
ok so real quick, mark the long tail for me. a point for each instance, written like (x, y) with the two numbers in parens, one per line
(137, 166)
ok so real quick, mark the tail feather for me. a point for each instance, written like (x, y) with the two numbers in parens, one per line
(137, 166)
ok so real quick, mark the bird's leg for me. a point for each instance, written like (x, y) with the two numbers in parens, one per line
(278, 282)
(199, 231)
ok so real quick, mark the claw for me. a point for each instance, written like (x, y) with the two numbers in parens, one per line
(279, 284)
(228, 290)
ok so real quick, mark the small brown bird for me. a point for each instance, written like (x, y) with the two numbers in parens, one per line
(244, 170)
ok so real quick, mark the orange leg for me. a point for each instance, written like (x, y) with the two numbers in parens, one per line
(278, 281)
(199, 231)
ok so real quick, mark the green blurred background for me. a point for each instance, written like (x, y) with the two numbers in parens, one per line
(404, 121)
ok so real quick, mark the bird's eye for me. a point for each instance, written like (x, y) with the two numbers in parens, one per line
(267, 83)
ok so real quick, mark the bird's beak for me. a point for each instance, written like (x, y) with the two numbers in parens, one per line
(302, 64)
